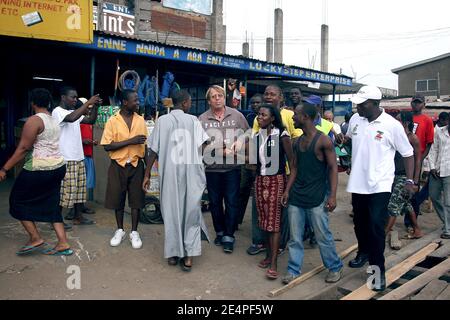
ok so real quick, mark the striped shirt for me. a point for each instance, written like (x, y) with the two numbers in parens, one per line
(440, 153)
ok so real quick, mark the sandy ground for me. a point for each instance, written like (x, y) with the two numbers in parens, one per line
(126, 273)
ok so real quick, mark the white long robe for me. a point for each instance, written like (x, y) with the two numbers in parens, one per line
(177, 139)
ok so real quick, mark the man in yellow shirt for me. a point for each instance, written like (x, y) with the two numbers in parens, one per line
(124, 138)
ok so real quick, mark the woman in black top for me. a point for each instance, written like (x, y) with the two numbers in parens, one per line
(273, 147)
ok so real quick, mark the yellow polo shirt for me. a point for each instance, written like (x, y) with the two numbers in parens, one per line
(288, 122)
(116, 130)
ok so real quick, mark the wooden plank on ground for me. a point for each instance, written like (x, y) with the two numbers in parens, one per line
(432, 290)
(445, 295)
(364, 293)
(419, 282)
(306, 276)
(394, 240)
(443, 251)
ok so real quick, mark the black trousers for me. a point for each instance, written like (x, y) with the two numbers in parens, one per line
(370, 218)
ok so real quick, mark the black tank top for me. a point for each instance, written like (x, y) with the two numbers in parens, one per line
(310, 185)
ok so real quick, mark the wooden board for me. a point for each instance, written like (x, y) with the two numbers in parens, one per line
(364, 293)
(445, 295)
(443, 251)
(432, 290)
(306, 276)
(419, 282)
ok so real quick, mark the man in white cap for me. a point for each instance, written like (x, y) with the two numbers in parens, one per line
(375, 137)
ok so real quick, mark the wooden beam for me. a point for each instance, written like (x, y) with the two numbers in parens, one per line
(432, 290)
(364, 293)
(418, 283)
(306, 276)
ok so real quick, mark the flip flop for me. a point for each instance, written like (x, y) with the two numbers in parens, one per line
(184, 267)
(264, 263)
(28, 249)
(272, 274)
(54, 252)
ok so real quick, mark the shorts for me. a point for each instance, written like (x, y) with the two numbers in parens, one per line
(123, 180)
(73, 187)
(399, 203)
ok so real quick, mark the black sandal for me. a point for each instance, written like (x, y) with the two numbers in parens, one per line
(185, 267)
(172, 261)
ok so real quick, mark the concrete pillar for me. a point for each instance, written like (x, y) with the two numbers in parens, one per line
(278, 36)
(218, 31)
(269, 49)
(324, 48)
(246, 49)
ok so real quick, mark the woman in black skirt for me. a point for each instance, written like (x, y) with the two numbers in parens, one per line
(36, 191)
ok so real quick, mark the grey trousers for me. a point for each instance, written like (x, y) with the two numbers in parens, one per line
(440, 196)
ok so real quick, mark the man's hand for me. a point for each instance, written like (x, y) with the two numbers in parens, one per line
(434, 173)
(237, 146)
(94, 100)
(339, 138)
(139, 139)
(411, 189)
(2, 175)
(285, 199)
(146, 183)
(348, 171)
(331, 204)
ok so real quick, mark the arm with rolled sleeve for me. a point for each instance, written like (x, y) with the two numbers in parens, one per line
(433, 155)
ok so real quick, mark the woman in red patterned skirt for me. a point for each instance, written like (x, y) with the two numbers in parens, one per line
(273, 148)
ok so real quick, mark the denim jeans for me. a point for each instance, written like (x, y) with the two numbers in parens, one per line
(440, 196)
(224, 186)
(319, 221)
(247, 183)
(258, 235)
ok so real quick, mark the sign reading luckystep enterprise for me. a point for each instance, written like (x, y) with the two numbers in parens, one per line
(62, 20)
(156, 50)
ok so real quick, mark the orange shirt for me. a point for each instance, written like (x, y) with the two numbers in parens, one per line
(116, 130)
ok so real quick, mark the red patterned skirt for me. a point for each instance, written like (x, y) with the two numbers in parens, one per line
(268, 192)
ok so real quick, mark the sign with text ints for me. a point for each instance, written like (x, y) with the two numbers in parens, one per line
(62, 20)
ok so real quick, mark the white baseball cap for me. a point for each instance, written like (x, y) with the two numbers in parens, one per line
(367, 93)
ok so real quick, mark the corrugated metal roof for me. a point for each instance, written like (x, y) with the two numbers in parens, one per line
(419, 63)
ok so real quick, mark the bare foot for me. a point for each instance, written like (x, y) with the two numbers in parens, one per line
(62, 246)
(417, 234)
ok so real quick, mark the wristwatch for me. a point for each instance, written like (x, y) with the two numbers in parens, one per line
(411, 181)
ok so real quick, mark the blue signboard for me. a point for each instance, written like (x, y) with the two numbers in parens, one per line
(156, 50)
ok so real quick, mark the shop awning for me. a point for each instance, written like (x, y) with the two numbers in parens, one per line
(115, 44)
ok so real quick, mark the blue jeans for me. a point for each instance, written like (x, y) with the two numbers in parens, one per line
(224, 186)
(319, 221)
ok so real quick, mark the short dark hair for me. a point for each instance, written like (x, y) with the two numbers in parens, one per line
(310, 110)
(277, 122)
(65, 90)
(41, 97)
(126, 94)
(178, 97)
(257, 95)
(407, 116)
(276, 87)
(444, 116)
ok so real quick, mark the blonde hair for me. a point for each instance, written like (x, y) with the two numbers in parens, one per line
(214, 87)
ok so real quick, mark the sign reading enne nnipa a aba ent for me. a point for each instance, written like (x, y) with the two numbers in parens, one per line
(63, 20)
(144, 48)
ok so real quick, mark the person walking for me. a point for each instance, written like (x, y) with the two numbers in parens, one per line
(182, 180)
(35, 194)
(308, 199)
(375, 137)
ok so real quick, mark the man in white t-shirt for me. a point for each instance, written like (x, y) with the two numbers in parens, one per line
(73, 187)
(375, 137)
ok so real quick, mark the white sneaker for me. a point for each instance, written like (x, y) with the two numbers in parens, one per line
(119, 235)
(135, 239)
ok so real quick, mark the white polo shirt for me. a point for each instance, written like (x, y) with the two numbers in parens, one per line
(373, 151)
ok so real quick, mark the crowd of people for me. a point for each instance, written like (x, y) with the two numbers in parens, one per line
(282, 157)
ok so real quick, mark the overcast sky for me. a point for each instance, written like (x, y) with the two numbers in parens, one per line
(368, 38)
